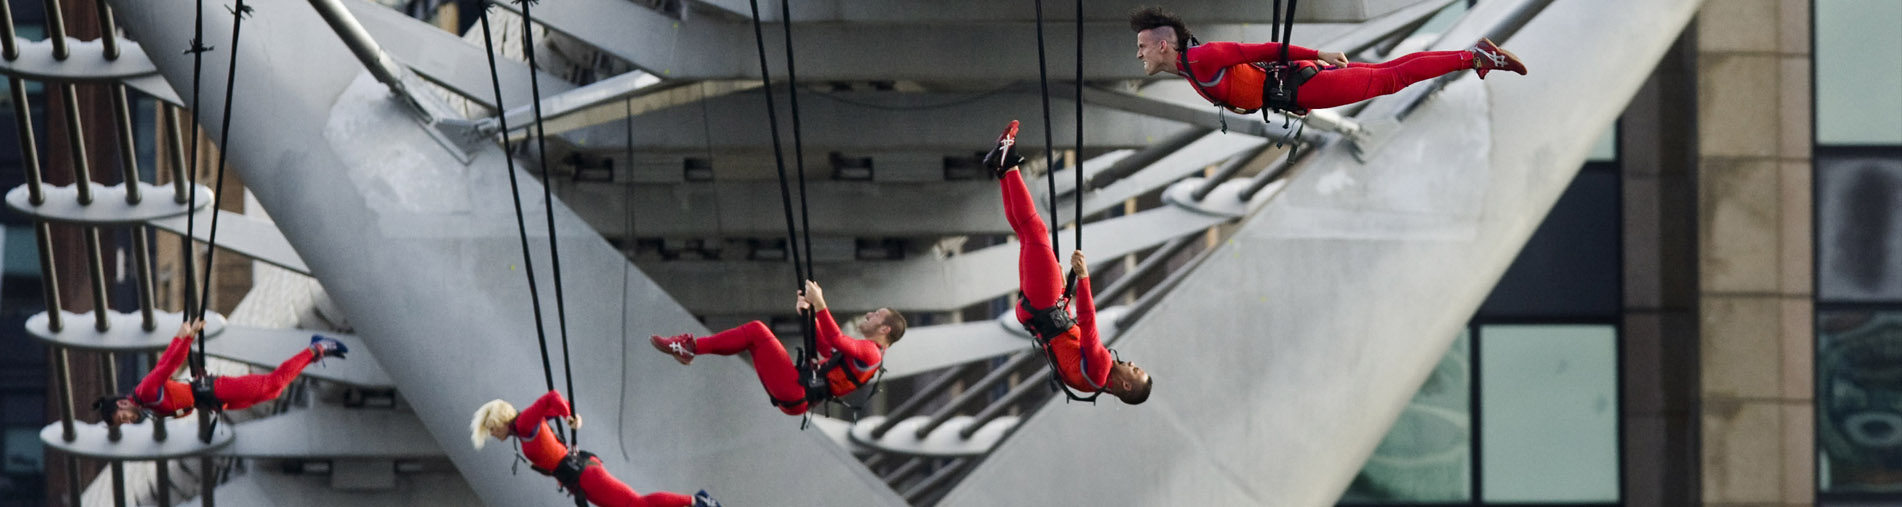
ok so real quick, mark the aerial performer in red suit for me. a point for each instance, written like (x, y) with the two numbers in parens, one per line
(1236, 76)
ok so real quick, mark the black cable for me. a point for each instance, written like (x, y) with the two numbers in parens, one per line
(799, 145)
(548, 204)
(1274, 25)
(1069, 283)
(772, 119)
(515, 191)
(810, 327)
(1049, 148)
(197, 50)
(238, 14)
(785, 191)
(1287, 30)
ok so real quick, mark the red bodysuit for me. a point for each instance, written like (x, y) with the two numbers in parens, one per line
(1225, 73)
(165, 397)
(544, 451)
(775, 368)
(1081, 359)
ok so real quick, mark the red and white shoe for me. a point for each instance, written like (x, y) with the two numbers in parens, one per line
(680, 346)
(1004, 156)
(1488, 56)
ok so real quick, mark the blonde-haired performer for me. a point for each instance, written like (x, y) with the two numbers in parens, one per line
(578, 472)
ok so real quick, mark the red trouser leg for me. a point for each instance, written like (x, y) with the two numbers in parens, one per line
(1402, 60)
(1339, 87)
(240, 392)
(606, 491)
(1038, 273)
(775, 368)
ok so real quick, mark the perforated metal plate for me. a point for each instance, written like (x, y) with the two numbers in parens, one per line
(124, 335)
(135, 440)
(108, 204)
(85, 61)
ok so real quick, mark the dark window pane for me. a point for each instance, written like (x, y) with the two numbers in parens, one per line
(1570, 266)
(1859, 225)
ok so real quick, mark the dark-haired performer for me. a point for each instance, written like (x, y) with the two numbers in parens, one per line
(164, 397)
(1074, 346)
(1232, 74)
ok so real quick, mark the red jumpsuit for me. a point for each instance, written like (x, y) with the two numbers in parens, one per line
(544, 450)
(1226, 74)
(1081, 359)
(775, 367)
(170, 398)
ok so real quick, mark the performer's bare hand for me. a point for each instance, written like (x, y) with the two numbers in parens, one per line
(190, 327)
(574, 421)
(812, 298)
(1078, 266)
(1335, 58)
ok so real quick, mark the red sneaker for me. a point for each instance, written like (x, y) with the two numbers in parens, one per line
(679, 346)
(1490, 56)
(1004, 156)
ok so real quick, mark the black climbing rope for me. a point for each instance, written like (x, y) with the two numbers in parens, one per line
(1049, 147)
(1069, 284)
(515, 191)
(197, 50)
(521, 222)
(238, 13)
(809, 377)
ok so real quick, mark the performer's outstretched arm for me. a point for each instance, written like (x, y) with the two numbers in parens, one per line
(168, 363)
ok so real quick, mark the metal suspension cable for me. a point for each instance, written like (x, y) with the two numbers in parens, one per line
(1049, 148)
(1287, 29)
(548, 207)
(809, 328)
(801, 272)
(238, 13)
(515, 192)
(1274, 24)
(772, 118)
(799, 144)
(1069, 285)
(197, 50)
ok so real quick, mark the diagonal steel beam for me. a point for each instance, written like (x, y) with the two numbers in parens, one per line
(722, 48)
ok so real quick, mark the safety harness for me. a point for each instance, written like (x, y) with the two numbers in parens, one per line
(818, 384)
(1278, 90)
(1281, 85)
(204, 394)
(1046, 324)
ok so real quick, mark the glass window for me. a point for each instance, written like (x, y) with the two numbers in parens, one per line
(1570, 266)
(1858, 72)
(1859, 401)
(1548, 413)
(24, 454)
(1428, 455)
(18, 254)
(1859, 225)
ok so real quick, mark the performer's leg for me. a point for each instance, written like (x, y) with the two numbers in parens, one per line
(770, 360)
(1038, 273)
(240, 392)
(606, 491)
(1341, 87)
